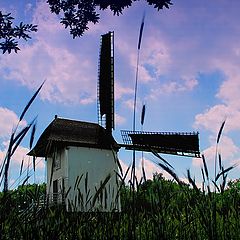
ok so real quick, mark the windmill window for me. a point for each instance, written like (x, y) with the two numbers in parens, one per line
(57, 160)
(55, 191)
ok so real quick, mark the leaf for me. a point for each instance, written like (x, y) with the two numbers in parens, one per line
(23, 134)
(220, 131)
(7, 163)
(171, 172)
(144, 173)
(126, 173)
(191, 181)
(86, 182)
(203, 174)
(78, 180)
(67, 192)
(32, 135)
(34, 163)
(161, 158)
(52, 170)
(141, 32)
(30, 102)
(216, 186)
(224, 171)
(75, 185)
(143, 114)
(205, 166)
(100, 189)
(160, 4)
(220, 161)
(222, 186)
(26, 179)
(7, 155)
(21, 167)
(117, 161)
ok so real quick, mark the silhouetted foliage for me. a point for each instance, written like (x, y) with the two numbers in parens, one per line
(78, 13)
(75, 15)
(10, 33)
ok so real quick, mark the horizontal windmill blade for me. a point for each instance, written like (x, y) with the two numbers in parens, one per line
(175, 143)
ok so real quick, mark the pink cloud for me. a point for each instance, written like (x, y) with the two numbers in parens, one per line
(15, 165)
(18, 156)
(129, 104)
(213, 118)
(70, 77)
(149, 167)
(121, 90)
(119, 119)
(66, 82)
(227, 149)
(9, 121)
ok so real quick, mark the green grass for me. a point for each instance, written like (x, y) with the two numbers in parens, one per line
(151, 209)
(163, 210)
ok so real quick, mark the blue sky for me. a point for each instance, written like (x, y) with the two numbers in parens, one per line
(188, 76)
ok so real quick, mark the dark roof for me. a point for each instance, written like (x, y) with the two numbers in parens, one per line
(68, 132)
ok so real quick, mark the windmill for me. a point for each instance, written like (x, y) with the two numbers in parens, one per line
(75, 150)
(175, 143)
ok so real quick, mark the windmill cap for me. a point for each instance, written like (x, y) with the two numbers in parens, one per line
(67, 132)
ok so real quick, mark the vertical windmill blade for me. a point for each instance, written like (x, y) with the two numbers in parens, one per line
(106, 82)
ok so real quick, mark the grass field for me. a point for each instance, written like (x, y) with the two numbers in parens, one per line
(150, 209)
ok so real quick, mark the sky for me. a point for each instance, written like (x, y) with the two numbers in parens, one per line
(188, 78)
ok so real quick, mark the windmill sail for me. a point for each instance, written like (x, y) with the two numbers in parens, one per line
(106, 83)
(184, 144)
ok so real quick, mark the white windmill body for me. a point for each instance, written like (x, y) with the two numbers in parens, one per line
(79, 157)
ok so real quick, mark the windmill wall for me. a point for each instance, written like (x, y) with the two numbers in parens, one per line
(84, 169)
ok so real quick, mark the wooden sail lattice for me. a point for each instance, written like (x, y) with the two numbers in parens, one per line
(176, 143)
(105, 88)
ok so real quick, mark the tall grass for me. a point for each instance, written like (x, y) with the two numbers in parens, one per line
(15, 140)
(164, 209)
(151, 209)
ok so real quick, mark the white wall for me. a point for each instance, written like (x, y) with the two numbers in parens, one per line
(58, 174)
(94, 165)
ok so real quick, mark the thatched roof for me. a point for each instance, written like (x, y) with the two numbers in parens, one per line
(66, 132)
